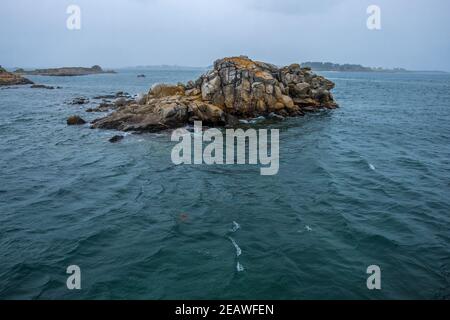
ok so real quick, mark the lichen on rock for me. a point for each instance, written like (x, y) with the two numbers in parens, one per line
(237, 87)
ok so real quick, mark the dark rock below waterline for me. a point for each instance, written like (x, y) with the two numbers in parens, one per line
(237, 88)
(102, 107)
(103, 97)
(79, 101)
(43, 86)
(75, 120)
(274, 116)
(122, 94)
(116, 139)
(119, 94)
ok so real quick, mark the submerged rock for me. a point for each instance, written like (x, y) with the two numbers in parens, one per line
(102, 107)
(79, 100)
(107, 96)
(116, 139)
(42, 86)
(274, 116)
(236, 88)
(75, 120)
(122, 94)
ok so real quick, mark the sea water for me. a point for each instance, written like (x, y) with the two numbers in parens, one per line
(366, 184)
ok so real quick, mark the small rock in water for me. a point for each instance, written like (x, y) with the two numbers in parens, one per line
(75, 120)
(122, 94)
(42, 86)
(103, 107)
(275, 116)
(79, 100)
(108, 96)
(116, 139)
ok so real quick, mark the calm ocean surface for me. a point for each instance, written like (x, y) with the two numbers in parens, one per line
(366, 184)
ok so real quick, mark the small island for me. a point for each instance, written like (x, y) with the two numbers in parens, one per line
(65, 72)
(329, 66)
(237, 88)
(11, 79)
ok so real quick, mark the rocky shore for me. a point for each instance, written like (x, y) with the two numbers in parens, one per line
(65, 72)
(11, 79)
(236, 88)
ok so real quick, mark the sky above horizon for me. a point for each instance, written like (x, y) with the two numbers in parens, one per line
(118, 33)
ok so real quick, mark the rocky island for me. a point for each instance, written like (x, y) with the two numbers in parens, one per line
(236, 88)
(65, 72)
(328, 66)
(11, 79)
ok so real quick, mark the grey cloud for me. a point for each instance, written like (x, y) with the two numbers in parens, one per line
(297, 7)
(118, 33)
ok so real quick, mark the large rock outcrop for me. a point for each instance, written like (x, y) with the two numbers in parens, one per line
(236, 88)
(11, 79)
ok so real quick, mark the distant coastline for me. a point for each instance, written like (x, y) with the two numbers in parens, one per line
(64, 72)
(314, 66)
(329, 66)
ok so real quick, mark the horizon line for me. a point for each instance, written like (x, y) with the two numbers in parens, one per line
(106, 68)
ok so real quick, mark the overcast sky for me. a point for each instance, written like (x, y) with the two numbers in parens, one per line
(114, 33)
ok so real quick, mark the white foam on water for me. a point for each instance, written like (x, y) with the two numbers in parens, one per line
(239, 267)
(238, 250)
(258, 119)
(236, 227)
(372, 167)
(308, 228)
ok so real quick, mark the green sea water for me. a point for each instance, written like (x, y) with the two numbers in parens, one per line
(366, 184)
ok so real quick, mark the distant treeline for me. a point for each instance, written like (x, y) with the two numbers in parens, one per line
(328, 66)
